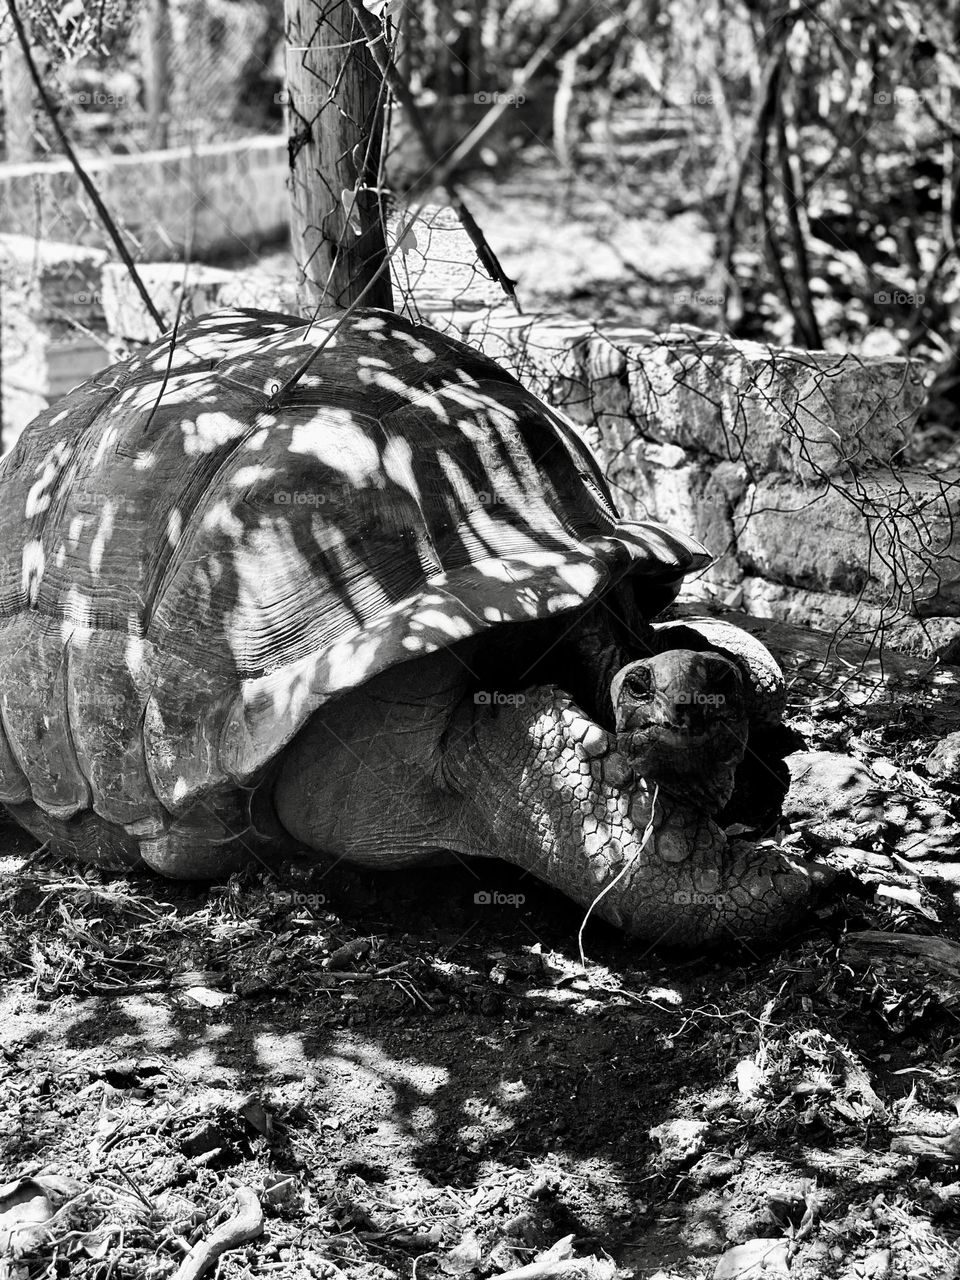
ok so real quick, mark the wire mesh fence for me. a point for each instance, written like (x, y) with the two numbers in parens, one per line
(128, 78)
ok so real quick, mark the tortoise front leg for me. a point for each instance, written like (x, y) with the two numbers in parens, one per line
(545, 787)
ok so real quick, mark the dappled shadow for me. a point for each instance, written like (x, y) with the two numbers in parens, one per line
(204, 544)
(430, 1079)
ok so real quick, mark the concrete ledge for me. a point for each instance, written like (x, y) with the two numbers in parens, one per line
(439, 267)
(804, 413)
(852, 617)
(53, 334)
(228, 196)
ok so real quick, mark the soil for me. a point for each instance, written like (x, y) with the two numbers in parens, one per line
(415, 1082)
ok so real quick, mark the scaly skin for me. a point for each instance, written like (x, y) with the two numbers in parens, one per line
(402, 769)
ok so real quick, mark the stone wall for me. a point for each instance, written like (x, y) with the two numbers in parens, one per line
(790, 466)
(53, 331)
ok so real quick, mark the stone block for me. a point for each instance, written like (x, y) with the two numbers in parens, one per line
(61, 281)
(890, 538)
(663, 482)
(53, 334)
(805, 413)
(166, 282)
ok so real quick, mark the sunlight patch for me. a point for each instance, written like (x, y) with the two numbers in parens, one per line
(99, 543)
(134, 653)
(221, 516)
(282, 1054)
(77, 611)
(338, 442)
(210, 431)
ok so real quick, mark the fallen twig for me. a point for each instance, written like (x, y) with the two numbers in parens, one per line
(561, 1269)
(243, 1226)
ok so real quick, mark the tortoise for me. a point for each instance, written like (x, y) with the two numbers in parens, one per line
(379, 606)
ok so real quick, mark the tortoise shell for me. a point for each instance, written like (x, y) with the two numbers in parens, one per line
(192, 563)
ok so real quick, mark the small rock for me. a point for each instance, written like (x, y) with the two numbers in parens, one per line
(280, 1190)
(750, 1079)
(256, 984)
(943, 762)
(758, 1259)
(208, 998)
(206, 1137)
(877, 1265)
(462, 1257)
(713, 1169)
(827, 785)
(835, 800)
(256, 1115)
(680, 1140)
(884, 768)
(24, 1206)
(344, 956)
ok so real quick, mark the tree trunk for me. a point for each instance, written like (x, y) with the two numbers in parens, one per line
(334, 126)
(156, 72)
(19, 99)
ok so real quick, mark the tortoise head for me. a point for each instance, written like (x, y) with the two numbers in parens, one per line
(682, 723)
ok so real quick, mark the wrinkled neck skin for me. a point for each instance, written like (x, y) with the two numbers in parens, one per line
(564, 804)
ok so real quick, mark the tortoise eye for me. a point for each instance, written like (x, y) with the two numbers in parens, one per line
(638, 684)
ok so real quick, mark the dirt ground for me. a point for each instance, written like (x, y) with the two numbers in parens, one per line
(412, 1083)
